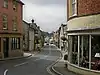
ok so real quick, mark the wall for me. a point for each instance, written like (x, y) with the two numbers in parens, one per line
(31, 39)
(26, 35)
(11, 13)
(86, 7)
(86, 22)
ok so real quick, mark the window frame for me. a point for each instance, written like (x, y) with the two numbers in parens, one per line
(74, 7)
(5, 21)
(15, 43)
(14, 5)
(5, 4)
(14, 23)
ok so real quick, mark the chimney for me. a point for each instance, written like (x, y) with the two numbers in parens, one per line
(32, 20)
(39, 27)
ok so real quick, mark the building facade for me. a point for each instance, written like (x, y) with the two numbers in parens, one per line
(31, 33)
(35, 36)
(55, 38)
(10, 28)
(25, 36)
(63, 35)
(83, 35)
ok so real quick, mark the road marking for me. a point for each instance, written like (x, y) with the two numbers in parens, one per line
(21, 64)
(36, 59)
(49, 71)
(46, 56)
(5, 72)
(51, 66)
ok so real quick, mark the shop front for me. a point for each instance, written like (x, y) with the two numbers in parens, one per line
(10, 46)
(84, 52)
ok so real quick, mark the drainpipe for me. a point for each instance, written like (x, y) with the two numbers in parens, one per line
(90, 52)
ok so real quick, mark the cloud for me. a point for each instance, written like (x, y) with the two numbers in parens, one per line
(46, 2)
(48, 16)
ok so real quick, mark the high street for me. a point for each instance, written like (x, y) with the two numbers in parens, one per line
(35, 65)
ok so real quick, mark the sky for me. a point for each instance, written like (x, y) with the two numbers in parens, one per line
(48, 14)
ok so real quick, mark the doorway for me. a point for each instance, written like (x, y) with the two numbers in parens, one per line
(5, 47)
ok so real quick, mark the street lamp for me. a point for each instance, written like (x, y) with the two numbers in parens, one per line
(64, 39)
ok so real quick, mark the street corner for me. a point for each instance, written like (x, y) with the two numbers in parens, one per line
(58, 66)
(25, 55)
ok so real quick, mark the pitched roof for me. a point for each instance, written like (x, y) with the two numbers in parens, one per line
(20, 2)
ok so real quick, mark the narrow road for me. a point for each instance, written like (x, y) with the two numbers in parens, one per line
(36, 65)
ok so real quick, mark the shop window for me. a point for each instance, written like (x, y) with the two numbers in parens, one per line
(5, 3)
(84, 51)
(18, 43)
(15, 43)
(5, 21)
(95, 52)
(75, 49)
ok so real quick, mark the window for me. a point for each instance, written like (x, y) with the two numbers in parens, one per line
(18, 43)
(6, 3)
(15, 23)
(74, 49)
(5, 21)
(74, 9)
(95, 52)
(83, 44)
(84, 51)
(15, 43)
(14, 5)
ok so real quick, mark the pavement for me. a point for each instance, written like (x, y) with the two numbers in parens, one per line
(60, 68)
(25, 55)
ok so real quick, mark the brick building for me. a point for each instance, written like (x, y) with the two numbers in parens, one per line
(11, 28)
(83, 33)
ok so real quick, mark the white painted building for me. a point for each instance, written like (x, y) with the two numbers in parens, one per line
(63, 33)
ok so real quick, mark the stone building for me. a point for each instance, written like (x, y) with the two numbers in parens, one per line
(25, 36)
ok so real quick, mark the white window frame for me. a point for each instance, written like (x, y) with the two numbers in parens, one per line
(15, 23)
(74, 3)
(5, 21)
(5, 3)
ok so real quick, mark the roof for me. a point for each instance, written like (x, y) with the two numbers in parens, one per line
(20, 2)
(63, 25)
(26, 22)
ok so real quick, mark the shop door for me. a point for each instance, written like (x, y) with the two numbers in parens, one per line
(5, 47)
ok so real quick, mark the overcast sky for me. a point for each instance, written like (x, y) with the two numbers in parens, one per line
(48, 14)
